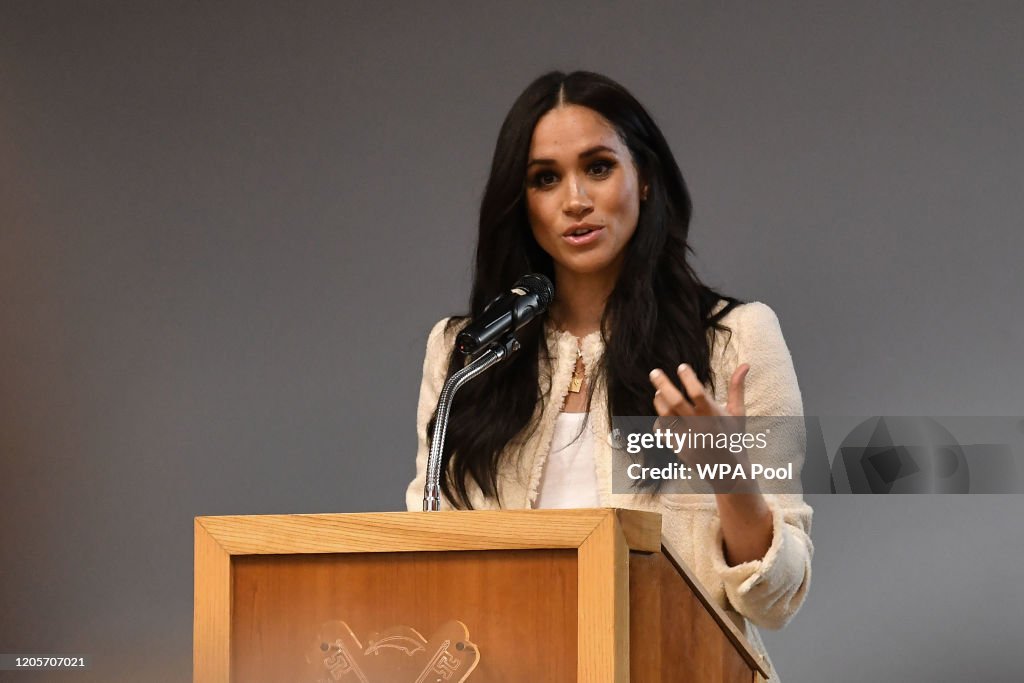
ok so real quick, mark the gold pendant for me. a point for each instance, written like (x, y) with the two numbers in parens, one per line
(577, 382)
(577, 373)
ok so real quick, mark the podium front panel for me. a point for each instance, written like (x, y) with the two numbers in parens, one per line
(519, 608)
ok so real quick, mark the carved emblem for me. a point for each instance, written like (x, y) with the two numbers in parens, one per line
(397, 655)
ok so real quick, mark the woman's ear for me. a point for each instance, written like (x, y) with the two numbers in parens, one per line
(644, 187)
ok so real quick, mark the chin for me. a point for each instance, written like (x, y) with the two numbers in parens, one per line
(583, 265)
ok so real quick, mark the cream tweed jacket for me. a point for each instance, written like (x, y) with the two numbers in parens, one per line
(765, 592)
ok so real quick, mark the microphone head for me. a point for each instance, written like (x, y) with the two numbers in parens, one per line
(538, 285)
(529, 297)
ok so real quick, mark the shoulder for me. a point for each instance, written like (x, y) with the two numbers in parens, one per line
(753, 316)
(442, 335)
(440, 342)
(754, 328)
(753, 335)
(437, 335)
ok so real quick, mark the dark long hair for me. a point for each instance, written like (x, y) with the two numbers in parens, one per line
(657, 316)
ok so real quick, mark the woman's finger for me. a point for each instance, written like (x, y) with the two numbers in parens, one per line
(735, 403)
(671, 398)
(661, 405)
(695, 390)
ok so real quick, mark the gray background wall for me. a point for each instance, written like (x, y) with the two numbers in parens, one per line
(225, 229)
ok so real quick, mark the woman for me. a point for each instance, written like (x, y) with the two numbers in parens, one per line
(584, 189)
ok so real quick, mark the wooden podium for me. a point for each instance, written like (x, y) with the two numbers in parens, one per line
(541, 596)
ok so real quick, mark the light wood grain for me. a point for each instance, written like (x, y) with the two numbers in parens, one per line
(603, 582)
(421, 531)
(642, 530)
(211, 616)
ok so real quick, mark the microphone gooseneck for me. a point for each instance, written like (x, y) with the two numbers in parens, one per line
(494, 332)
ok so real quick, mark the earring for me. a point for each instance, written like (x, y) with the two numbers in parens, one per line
(643, 193)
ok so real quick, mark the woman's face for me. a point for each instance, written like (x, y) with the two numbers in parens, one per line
(582, 191)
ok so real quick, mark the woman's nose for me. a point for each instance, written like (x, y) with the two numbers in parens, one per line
(577, 202)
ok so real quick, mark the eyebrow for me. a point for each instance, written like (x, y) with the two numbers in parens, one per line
(583, 155)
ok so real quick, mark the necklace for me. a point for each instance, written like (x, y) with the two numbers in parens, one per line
(577, 373)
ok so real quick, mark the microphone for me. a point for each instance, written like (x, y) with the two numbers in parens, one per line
(508, 313)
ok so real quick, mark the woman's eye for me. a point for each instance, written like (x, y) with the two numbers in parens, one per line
(601, 168)
(544, 179)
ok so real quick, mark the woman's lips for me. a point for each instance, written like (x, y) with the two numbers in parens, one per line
(586, 238)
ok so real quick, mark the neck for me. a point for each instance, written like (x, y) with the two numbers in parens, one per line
(580, 300)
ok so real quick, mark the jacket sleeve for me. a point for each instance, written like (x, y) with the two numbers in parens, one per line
(435, 368)
(769, 591)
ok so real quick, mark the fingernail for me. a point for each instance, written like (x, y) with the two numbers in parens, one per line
(681, 368)
(655, 373)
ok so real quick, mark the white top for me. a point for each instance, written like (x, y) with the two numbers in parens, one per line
(570, 476)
